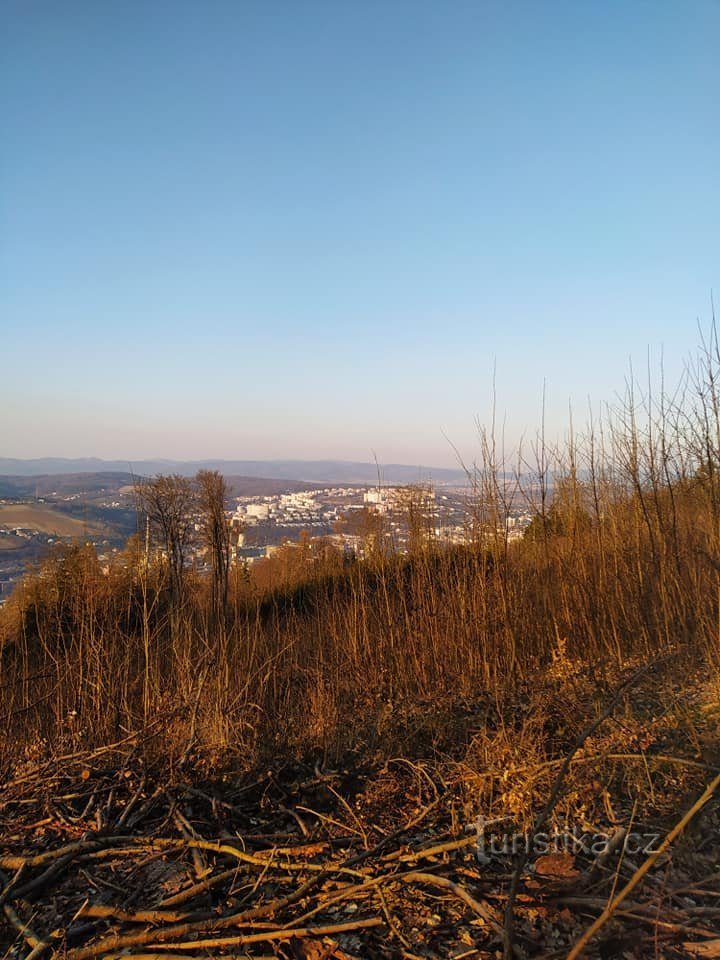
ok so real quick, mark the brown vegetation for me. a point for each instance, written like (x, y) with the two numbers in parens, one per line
(490, 667)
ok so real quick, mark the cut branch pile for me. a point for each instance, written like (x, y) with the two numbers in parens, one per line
(101, 862)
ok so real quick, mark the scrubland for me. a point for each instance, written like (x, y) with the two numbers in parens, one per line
(344, 720)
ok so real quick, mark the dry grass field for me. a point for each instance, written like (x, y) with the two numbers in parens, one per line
(10, 542)
(38, 516)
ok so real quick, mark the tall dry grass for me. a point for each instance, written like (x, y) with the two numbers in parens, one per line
(414, 652)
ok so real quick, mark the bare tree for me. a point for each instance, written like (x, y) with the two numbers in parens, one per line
(212, 492)
(168, 502)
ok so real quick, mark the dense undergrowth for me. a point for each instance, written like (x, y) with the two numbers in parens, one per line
(485, 650)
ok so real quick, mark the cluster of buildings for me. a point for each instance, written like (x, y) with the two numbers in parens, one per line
(306, 508)
(341, 515)
(261, 523)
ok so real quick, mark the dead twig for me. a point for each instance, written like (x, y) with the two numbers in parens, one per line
(610, 909)
(37, 944)
(273, 935)
(550, 805)
(481, 909)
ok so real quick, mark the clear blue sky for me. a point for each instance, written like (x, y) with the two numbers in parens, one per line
(310, 229)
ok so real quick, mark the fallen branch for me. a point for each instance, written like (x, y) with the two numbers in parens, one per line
(142, 938)
(273, 935)
(550, 805)
(481, 909)
(610, 909)
(41, 859)
(37, 944)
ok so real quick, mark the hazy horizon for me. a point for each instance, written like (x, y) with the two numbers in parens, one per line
(132, 460)
(319, 231)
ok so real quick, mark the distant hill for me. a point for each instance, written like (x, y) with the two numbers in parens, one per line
(308, 471)
(28, 485)
(263, 486)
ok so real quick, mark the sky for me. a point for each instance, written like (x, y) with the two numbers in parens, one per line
(339, 229)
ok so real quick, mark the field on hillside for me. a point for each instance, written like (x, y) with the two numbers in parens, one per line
(37, 516)
(10, 542)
